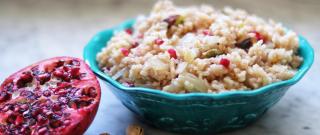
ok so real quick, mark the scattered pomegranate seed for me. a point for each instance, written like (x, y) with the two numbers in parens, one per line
(135, 44)
(129, 31)
(172, 53)
(258, 36)
(124, 51)
(207, 33)
(158, 41)
(225, 62)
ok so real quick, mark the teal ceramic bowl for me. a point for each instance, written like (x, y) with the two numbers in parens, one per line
(195, 113)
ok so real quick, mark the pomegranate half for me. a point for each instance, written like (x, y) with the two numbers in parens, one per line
(56, 96)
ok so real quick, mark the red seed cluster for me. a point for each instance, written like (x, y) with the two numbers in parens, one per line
(158, 41)
(124, 51)
(258, 36)
(129, 31)
(225, 62)
(172, 53)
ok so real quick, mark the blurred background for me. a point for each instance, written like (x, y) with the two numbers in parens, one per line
(32, 30)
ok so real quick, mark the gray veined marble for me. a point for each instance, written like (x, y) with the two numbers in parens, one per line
(32, 30)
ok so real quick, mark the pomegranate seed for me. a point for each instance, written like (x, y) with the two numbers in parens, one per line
(35, 112)
(129, 31)
(66, 68)
(124, 51)
(43, 78)
(4, 96)
(8, 107)
(225, 62)
(19, 120)
(172, 53)
(135, 44)
(41, 119)
(61, 92)
(11, 118)
(16, 108)
(66, 77)
(59, 63)
(25, 78)
(73, 104)
(55, 123)
(58, 73)
(47, 93)
(38, 94)
(63, 85)
(158, 41)
(9, 87)
(206, 32)
(42, 130)
(91, 92)
(258, 36)
(24, 107)
(75, 72)
(56, 107)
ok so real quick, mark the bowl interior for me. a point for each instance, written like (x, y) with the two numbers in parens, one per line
(99, 41)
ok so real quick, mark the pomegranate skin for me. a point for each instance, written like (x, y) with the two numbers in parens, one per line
(24, 109)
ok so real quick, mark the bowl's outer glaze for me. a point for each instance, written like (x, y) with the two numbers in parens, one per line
(195, 112)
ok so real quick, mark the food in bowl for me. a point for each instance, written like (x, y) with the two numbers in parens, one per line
(60, 95)
(201, 49)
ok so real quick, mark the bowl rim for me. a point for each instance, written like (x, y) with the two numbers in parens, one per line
(89, 55)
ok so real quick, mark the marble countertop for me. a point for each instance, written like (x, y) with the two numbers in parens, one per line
(32, 30)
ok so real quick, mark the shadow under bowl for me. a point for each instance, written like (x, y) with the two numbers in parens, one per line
(199, 113)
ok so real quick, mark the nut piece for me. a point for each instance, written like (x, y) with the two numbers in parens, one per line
(211, 53)
(134, 130)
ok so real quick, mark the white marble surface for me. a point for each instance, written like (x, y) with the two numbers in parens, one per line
(31, 30)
